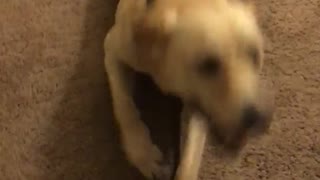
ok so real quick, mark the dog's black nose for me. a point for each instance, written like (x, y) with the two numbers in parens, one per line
(250, 116)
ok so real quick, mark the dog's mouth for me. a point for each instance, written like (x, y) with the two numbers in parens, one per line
(234, 138)
(231, 142)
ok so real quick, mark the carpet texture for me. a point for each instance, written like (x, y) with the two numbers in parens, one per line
(55, 114)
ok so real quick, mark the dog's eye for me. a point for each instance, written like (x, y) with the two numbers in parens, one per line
(209, 66)
(149, 2)
(254, 55)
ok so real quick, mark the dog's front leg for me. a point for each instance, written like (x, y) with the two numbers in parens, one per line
(135, 136)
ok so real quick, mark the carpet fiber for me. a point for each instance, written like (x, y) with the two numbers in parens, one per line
(55, 113)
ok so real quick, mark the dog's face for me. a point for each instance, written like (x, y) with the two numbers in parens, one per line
(213, 54)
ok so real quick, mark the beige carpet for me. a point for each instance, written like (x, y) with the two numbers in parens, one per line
(55, 117)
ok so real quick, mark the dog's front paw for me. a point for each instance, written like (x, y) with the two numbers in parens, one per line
(143, 154)
(147, 159)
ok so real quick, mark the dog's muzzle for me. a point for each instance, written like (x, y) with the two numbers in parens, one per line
(252, 123)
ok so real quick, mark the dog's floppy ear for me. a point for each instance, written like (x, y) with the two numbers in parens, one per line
(154, 26)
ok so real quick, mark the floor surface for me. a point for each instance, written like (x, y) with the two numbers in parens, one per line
(55, 113)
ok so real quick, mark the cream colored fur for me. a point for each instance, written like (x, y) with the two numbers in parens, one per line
(168, 40)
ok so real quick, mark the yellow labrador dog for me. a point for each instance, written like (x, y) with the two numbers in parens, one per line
(206, 52)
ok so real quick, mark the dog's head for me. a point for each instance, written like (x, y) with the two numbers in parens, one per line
(209, 53)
